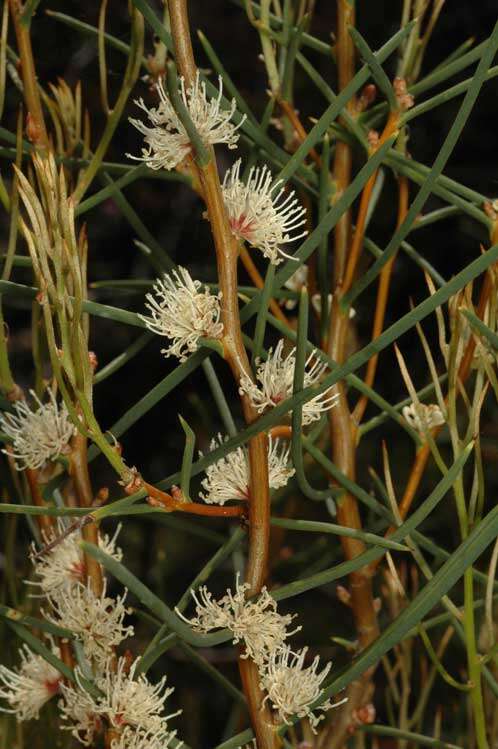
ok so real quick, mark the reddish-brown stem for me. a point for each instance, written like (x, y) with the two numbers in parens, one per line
(381, 304)
(83, 488)
(44, 521)
(258, 281)
(359, 234)
(171, 504)
(227, 257)
(36, 123)
(296, 123)
(341, 425)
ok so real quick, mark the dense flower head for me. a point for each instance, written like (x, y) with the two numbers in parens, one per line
(96, 620)
(27, 688)
(181, 311)
(63, 564)
(275, 379)
(167, 143)
(128, 703)
(292, 687)
(423, 416)
(255, 622)
(228, 478)
(261, 212)
(37, 435)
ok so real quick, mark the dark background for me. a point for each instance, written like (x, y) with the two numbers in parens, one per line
(166, 557)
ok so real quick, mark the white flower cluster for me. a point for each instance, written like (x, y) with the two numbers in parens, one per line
(291, 687)
(30, 686)
(423, 416)
(167, 141)
(127, 705)
(38, 434)
(261, 212)
(275, 378)
(228, 478)
(182, 312)
(64, 565)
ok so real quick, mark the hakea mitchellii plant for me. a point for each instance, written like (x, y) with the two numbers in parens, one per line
(325, 175)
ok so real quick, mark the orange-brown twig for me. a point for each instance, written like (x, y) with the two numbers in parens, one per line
(296, 123)
(37, 132)
(366, 195)
(258, 281)
(342, 439)
(170, 504)
(381, 303)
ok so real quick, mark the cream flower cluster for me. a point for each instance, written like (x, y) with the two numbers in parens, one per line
(181, 311)
(38, 434)
(261, 212)
(27, 688)
(127, 703)
(291, 687)
(256, 623)
(228, 478)
(64, 564)
(275, 379)
(423, 416)
(167, 142)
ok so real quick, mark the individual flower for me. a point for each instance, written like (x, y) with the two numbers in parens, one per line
(228, 478)
(181, 311)
(64, 564)
(78, 714)
(423, 416)
(261, 212)
(127, 702)
(275, 378)
(96, 620)
(166, 141)
(30, 686)
(255, 622)
(37, 435)
(292, 687)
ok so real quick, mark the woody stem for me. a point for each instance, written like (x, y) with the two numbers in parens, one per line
(227, 255)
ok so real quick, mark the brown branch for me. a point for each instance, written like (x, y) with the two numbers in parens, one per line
(36, 123)
(258, 281)
(381, 303)
(170, 504)
(342, 433)
(227, 255)
(296, 123)
(359, 234)
(78, 470)
(44, 521)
